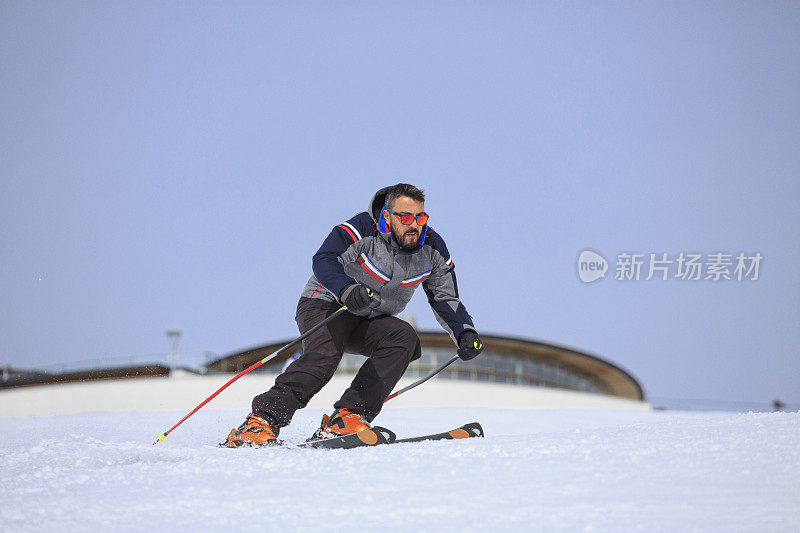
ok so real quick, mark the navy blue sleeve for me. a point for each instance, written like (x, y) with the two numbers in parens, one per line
(327, 268)
(442, 290)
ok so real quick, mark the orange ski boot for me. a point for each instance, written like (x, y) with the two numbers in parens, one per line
(343, 421)
(255, 431)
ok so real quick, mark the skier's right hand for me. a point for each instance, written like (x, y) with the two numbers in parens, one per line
(357, 298)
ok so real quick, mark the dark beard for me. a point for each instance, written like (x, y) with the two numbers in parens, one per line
(403, 245)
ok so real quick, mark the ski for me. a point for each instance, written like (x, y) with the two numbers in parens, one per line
(380, 435)
(374, 436)
(473, 429)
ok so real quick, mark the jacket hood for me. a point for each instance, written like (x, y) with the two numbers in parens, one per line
(377, 203)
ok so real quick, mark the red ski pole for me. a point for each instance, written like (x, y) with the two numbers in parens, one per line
(251, 367)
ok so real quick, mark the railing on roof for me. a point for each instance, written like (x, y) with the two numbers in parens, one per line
(191, 361)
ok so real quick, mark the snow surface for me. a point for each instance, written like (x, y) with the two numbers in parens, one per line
(534, 471)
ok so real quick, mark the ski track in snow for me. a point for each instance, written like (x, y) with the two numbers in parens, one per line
(534, 471)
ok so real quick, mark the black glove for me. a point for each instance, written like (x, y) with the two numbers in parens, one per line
(469, 345)
(357, 298)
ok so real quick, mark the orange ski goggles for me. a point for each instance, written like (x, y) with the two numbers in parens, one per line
(407, 219)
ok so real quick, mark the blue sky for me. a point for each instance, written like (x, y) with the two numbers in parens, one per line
(176, 166)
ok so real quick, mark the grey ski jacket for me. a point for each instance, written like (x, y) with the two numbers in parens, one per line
(356, 251)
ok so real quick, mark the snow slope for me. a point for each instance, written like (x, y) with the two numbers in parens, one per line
(534, 471)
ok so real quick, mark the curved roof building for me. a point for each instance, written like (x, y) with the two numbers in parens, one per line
(510, 373)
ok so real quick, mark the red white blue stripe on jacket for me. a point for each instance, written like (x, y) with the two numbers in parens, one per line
(372, 270)
(410, 282)
(351, 230)
(419, 278)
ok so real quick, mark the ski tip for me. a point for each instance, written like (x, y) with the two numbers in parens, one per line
(374, 436)
(386, 436)
(473, 429)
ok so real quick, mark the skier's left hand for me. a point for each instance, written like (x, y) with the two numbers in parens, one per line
(469, 345)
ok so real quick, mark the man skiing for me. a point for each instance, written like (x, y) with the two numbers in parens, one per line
(372, 264)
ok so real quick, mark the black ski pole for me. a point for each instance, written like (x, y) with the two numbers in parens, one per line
(423, 380)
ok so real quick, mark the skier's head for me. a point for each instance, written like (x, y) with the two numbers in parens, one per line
(405, 209)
